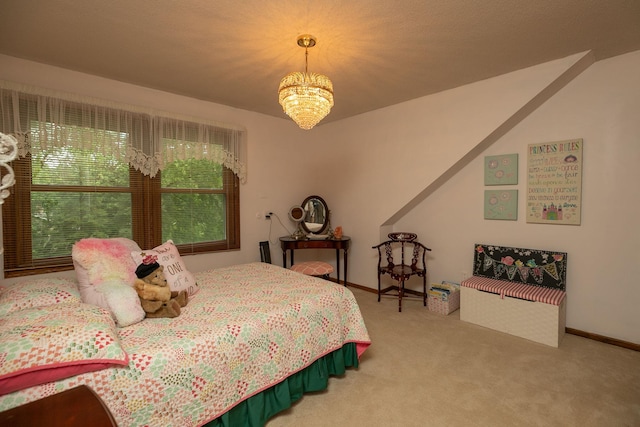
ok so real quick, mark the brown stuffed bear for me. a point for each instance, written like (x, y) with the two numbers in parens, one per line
(156, 297)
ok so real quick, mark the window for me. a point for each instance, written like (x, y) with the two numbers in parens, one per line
(199, 197)
(87, 171)
(199, 206)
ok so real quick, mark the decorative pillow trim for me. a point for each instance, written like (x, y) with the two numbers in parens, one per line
(37, 376)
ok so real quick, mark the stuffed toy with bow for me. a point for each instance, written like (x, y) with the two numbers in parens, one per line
(156, 297)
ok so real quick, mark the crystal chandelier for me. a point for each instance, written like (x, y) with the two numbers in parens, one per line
(306, 97)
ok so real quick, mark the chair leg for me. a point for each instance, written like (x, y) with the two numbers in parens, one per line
(378, 287)
(424, 290)
(400, 295)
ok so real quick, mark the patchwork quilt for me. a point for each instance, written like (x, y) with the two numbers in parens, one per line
(249, 327)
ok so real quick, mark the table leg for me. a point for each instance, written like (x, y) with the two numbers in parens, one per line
(284, 258)
(345, 267)
(338, 265)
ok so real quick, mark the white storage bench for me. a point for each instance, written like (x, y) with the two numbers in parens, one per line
(530, 303)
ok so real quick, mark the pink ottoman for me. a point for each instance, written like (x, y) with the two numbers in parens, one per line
(313, 268)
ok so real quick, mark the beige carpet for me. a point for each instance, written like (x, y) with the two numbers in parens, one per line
(425, 369)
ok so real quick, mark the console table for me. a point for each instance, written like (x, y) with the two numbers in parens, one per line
(290, 244)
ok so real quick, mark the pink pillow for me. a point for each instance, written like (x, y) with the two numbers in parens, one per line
(44, 344)
(97, 260)
(175, 270)
(104, 267)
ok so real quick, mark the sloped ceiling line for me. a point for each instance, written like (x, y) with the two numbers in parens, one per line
(573, 71)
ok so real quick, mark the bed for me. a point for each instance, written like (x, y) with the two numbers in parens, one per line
(248, 344)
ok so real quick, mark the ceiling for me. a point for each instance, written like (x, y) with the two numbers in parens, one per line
(376, 52)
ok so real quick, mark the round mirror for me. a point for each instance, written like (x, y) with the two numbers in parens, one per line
(316, 217)
(296, 214)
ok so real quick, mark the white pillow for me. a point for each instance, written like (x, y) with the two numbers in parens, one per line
(102, 265)
(175, 270)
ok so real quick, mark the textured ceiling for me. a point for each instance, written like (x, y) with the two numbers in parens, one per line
(376, 52)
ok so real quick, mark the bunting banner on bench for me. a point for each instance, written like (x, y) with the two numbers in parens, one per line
(528, 266)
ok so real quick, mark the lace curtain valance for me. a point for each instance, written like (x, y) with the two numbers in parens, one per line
(144, 139)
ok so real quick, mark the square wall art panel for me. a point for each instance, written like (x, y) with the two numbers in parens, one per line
(501, 204)
(501, 170)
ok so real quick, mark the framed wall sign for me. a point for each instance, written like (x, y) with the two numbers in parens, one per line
(554, 182)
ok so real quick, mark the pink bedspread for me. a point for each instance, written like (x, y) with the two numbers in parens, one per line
(248, 328)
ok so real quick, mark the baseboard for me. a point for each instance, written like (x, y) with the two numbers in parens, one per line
(602, 338)
(362, 288)
(595, 337)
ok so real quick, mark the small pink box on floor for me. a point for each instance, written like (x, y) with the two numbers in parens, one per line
(443, 298)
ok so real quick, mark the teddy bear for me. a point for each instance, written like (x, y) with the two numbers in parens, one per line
(156, 297)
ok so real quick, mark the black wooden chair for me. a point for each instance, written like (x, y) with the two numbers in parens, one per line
(404, 247)
(265, 252)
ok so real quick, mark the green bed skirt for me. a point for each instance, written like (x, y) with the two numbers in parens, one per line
(256, 410)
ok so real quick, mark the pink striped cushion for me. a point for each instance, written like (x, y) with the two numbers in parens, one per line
(313, 268)
(514, 289)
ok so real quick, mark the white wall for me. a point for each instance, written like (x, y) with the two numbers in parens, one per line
(372, 167)
(384, 160)
(601, 105)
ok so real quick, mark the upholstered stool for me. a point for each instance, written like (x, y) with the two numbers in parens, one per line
(314, 268)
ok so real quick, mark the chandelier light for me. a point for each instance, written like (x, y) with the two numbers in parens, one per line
(306, 97)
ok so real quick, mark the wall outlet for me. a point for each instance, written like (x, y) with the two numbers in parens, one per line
(264, 215)
(464, 276)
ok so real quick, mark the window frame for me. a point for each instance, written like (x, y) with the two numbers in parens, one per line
(231, 190)
(146, 195)
(148, 130)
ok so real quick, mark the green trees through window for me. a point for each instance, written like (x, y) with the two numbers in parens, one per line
(193, 202)
(66, 193)
(74, 193)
